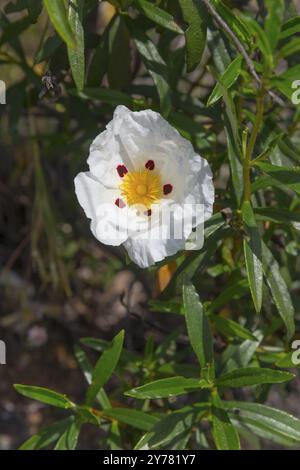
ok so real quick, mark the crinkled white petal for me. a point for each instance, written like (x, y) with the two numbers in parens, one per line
(146, 252)
(108, 222)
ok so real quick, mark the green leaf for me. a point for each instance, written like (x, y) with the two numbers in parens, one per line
(289, 176)
(261, 418)
(285, 80)
(175, 424)
(105, 366)
(251, 376)
(237, 356)
(159, 16)
(87, 370)
(234, 21)
(196, 261)
(233, 291)
(224, 433)
(47, 436)
(153, 62)
(289, 49)
(48, 48)
(231, 328)
(279, 290)
(273, 20)
(164, 388)
(118, 54)
(57, 12)
(197, 325)
(280, 216)
(262, 41)
(76, 56)
(228, 78)
(253, 255)
(135, 418)
(45, 395)
(290, 27)
(100, 60)
(194, 15)
(232, 131)
(68, 440)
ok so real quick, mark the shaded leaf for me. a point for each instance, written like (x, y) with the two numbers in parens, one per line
(135, 418)
(159, 16)
(279, 290)
(105, 366)
(45, 395)
(57, 12)
(194, 15)
(164, 388)
(197, 325)
(228, 78)
(251, 376)
(153, 62)
(76, 55)
(224, 433)
(253, 255)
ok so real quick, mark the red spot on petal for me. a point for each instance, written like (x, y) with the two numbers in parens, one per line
(122, 170)
(150, 165)
(120, 203)
(148, 212)
(167, 189)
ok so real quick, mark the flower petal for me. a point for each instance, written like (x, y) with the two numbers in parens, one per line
(108, 223)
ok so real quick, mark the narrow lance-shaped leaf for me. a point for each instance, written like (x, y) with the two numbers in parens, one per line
(279, 290)
(235, 23)
(224, 433)
(87, 370)
(163, 388)
(104, 367)
(197, 325)
(159, 16)
(262, 418)
(57, 12)
(290, 27)
(118, 54)
(47, 435)
(231, 328)
(153, 62)
(175, 424)
(289, 176)
(250, 376)
(68, 440)
(195, 35)
(44, 395)
(233, 291)
(76, 56)
(233, 143)
(135, 418)
(228, 78)
(253, 255)
(273, 20)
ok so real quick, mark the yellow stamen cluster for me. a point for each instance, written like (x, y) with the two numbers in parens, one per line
(141, 187)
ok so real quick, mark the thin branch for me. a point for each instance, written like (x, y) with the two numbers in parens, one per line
(241, 50)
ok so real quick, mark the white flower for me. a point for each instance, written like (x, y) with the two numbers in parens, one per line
(140, 166)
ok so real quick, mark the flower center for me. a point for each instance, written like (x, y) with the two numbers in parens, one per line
(141, 187)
